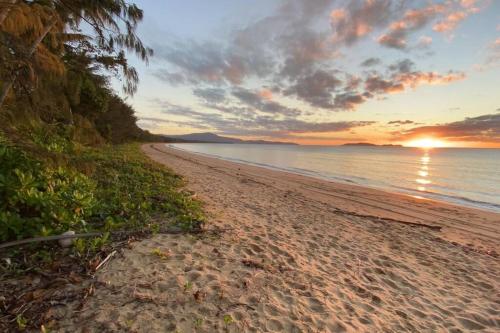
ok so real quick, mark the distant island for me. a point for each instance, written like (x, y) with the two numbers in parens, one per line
(214, 138)
(367, 144)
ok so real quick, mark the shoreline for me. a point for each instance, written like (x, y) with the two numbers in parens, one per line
(289, 253)
(384, 204)
(434, 197)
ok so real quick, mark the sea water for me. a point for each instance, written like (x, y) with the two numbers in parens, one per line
(465, 176)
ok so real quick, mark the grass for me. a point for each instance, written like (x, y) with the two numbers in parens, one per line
(134, 192)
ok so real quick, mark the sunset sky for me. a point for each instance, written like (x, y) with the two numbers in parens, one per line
(323, 71)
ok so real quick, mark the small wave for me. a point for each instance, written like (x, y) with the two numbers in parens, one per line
(464, 201)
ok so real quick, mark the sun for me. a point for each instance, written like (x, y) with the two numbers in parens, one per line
(426, 143)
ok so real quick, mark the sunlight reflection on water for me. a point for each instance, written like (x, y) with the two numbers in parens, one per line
(423, 172)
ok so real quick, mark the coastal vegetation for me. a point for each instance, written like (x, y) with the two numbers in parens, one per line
(70, 158)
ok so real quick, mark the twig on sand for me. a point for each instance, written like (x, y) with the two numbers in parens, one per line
(105, 260)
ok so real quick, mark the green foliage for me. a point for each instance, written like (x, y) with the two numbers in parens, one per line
(198, 322)
(188, 286)
(161, 254)
(39, 199)
(21, 322)
(105, 189)
(228, 319)
(133, 189)
(53, 138)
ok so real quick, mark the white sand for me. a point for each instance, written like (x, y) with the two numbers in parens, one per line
(301, 255)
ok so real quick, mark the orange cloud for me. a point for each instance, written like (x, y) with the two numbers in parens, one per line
(266, 94)
(450, 22)
(448, 16)
(412, 20)
(338, 14)
(403, 80)
(415, 79)
(484, 129)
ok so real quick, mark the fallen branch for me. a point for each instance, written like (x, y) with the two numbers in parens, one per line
(49, 238)
(173, 231)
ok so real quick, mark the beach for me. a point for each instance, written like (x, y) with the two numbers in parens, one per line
(290, 253)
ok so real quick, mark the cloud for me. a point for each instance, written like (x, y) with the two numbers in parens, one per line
(359, 19)
(210, 62)
(402, 66)
(317, 89)
(210, 95)
(266, 94)
(370, 62)
(402, 75)
(415, 79)
(395, 40)
(154, 120)
(412, 20)
(303, 50)
(457, 15)
(255, 100)
(446, 17)
(378, 85)
(401, 122)
(292, 53)
(493, 53)
(258, 124)
(341, 91)
(484, 128)
(424, 41)
(450, 22)
(349, 100)
(174, 79)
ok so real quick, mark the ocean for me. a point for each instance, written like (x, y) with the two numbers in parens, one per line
(464, 176)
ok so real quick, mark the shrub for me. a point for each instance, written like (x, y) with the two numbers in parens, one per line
(38, 199)
(104, 189)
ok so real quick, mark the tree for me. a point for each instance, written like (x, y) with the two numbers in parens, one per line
(27, 26)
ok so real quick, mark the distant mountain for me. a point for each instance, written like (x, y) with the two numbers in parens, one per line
(359, 144)
(367, 144)
(214, 138)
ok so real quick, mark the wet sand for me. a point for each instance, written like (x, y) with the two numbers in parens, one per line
(298, 254)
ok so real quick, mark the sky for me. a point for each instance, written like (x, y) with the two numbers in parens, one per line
(323, 71)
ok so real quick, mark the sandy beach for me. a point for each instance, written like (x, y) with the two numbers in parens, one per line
(298, 254)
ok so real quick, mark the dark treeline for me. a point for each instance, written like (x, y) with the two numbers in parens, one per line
(56, 60)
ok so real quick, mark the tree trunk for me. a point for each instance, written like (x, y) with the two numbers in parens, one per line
(5, 11)
(10, 81)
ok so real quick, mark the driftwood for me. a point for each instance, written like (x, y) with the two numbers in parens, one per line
(49, 238)
(173, 231)
(170, 231)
